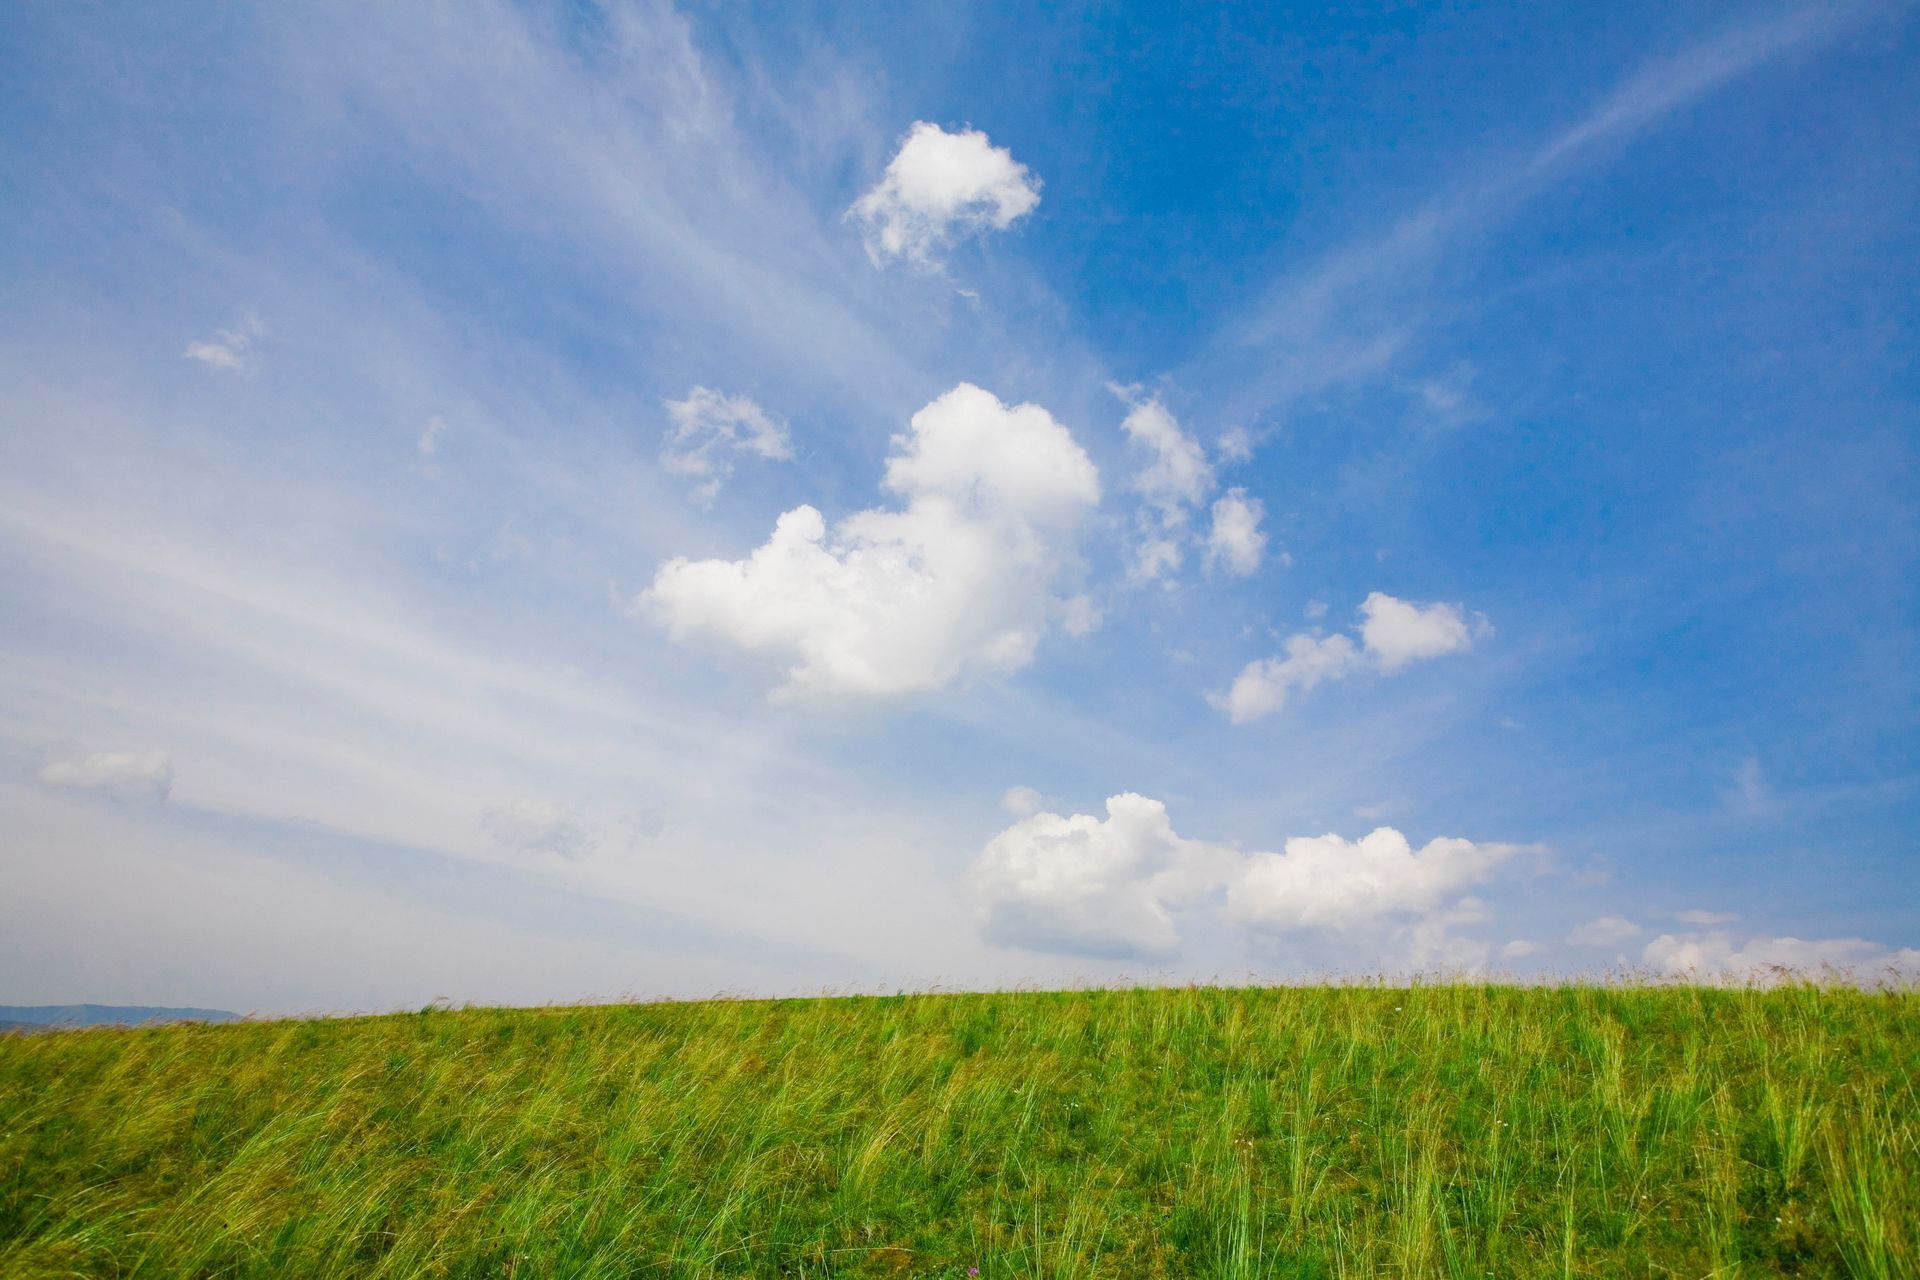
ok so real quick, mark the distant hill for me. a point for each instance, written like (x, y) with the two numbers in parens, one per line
(48, 1017)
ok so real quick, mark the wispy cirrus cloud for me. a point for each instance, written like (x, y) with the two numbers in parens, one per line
(1352, 315)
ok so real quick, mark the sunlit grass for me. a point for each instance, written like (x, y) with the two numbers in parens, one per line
(1448, 1131)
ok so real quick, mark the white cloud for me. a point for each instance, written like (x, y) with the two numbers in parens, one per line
(1394, 633)
(124, 775)
(891, 602)
(1021, 801)
(710, 429)
(1603, 932)
(1262, 687)
(938, 188)
(1315, 610)
(1714, 954)
(227, 349)
(1398, 632)
(539, 826)
(1328, 882)
(1519, 949)
(1705, 918)
(1155, 558)
(1178, 478)
(1236, 540)
(1112, 886)
(1176, 482)
(1088, 886)
(429, 443)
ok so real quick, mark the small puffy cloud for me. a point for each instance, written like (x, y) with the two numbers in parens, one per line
(1235, 542)
(1153, 559)
(429, 443)
(1178, 477)
(1089, 886)
(941, 187)
(1328, 882)
(1393, 633)
(1114, 886)
(1706, 919)
(1263, 687)
(124, 775)
(228, 348)
(1606, 931)
(710, 429)
(1716, 955)
(1176, 482)
(1315, 610)
(1021, 801)
(889, 602)
(1519, 949)
(1397, 632)
(539, 826)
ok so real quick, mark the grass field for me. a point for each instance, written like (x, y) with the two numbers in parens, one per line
(1450, 1130)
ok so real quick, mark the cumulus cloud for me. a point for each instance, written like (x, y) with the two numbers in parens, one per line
(1262, 687)
(710, 429)
(1393, 634)
(888, 602)
(1519, 949)
(1235, 542)
(1112, 886)
(1177, 478)
(1705, 918)
(941, 187)
(1398, 632)
(124, 775)
(1176, 482)
(429, 443)
(1090, 886)
(1603, 932)
(228, 348)
(539, 826)
(1716, 955)
(1328, 882)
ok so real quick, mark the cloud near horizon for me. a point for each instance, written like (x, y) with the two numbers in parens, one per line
(1714, 955)
(887, 602)
(1084, 885)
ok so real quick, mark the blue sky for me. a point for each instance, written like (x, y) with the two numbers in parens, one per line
(522, 503)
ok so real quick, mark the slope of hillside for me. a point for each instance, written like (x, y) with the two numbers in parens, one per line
(1436, 1131)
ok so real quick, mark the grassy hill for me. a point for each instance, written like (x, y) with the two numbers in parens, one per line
(1327, 1132)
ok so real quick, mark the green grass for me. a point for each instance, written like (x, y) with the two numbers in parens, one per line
(1453, 1130)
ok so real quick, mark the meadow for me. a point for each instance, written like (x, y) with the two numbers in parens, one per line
(1450, 1130)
